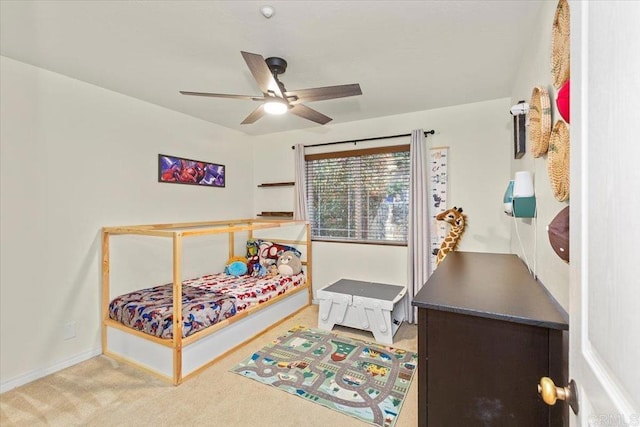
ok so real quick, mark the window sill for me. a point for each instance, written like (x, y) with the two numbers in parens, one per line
(359, 242)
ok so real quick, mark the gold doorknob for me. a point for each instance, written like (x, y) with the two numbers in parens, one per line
(551, 394)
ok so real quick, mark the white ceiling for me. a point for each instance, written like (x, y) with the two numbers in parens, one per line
(406, 55)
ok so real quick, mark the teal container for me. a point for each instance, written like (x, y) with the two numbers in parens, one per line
(524, 207)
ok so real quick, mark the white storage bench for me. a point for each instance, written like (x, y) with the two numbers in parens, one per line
(374, 307)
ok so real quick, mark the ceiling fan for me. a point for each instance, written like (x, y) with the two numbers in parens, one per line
(276, 99)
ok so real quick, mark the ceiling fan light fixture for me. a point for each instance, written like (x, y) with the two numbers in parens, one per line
(275, 107)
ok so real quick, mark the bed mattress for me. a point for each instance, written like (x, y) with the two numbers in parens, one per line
(206, 300)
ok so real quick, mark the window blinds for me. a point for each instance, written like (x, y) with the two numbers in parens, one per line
(359, 195)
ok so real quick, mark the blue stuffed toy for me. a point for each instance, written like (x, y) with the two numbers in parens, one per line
(259, 270)
(236, 267)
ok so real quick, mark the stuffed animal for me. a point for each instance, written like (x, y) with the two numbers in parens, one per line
(457, 219)
(273, 271)
(253, 259)
(289, 264)
(236, 266)
(259, 270)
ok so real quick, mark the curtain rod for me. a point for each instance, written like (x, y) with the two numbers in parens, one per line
(428, 132)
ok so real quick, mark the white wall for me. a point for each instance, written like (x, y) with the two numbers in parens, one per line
(75, 158)
(534, 70)
(479, 137)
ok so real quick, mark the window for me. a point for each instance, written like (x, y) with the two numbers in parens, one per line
(359, 195)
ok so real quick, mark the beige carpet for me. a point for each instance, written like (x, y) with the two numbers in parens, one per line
(101, 392)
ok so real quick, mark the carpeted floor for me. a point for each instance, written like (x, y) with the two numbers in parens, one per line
(101, 392)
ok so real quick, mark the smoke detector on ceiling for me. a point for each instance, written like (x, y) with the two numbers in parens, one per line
(267, 11)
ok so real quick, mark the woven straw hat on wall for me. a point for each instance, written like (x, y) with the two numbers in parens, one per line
(558, 161)
(539, 121)
(560, 45)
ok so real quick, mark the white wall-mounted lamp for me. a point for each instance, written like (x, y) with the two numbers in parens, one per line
(520, 108)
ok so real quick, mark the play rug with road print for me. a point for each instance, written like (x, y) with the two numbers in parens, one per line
(365, 380)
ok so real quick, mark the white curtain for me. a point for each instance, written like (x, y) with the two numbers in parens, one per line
(418, 231)
(300, 206)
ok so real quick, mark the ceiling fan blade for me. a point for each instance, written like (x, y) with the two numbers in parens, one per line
(321, 93)
(224, 95)
(254, 116)
(305, 112)
(262, 74)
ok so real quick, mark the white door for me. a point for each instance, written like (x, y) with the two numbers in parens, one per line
(605, 212)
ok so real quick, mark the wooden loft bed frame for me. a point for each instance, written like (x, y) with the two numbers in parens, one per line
(178, 358)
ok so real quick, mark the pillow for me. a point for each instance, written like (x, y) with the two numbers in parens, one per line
(261, 254)
(269, 252)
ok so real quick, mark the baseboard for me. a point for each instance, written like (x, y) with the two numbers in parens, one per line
(40, 373)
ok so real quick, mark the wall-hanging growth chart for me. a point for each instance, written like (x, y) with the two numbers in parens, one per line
(437, 188)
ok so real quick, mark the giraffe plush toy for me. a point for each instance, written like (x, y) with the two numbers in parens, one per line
(457, 219)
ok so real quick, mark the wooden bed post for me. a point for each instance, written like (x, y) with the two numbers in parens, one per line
(105, 288)
(177, 308)
(231, 244)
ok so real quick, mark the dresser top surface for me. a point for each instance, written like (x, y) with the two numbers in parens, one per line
(496, 286)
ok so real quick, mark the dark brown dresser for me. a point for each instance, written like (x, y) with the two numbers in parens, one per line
(487, 333)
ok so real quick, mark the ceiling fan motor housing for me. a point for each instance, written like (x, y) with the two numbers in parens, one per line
(276, 65)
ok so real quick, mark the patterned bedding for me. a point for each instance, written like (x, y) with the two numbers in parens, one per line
(205, 301)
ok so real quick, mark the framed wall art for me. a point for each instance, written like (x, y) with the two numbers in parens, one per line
(178, 170)
(519, 129)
